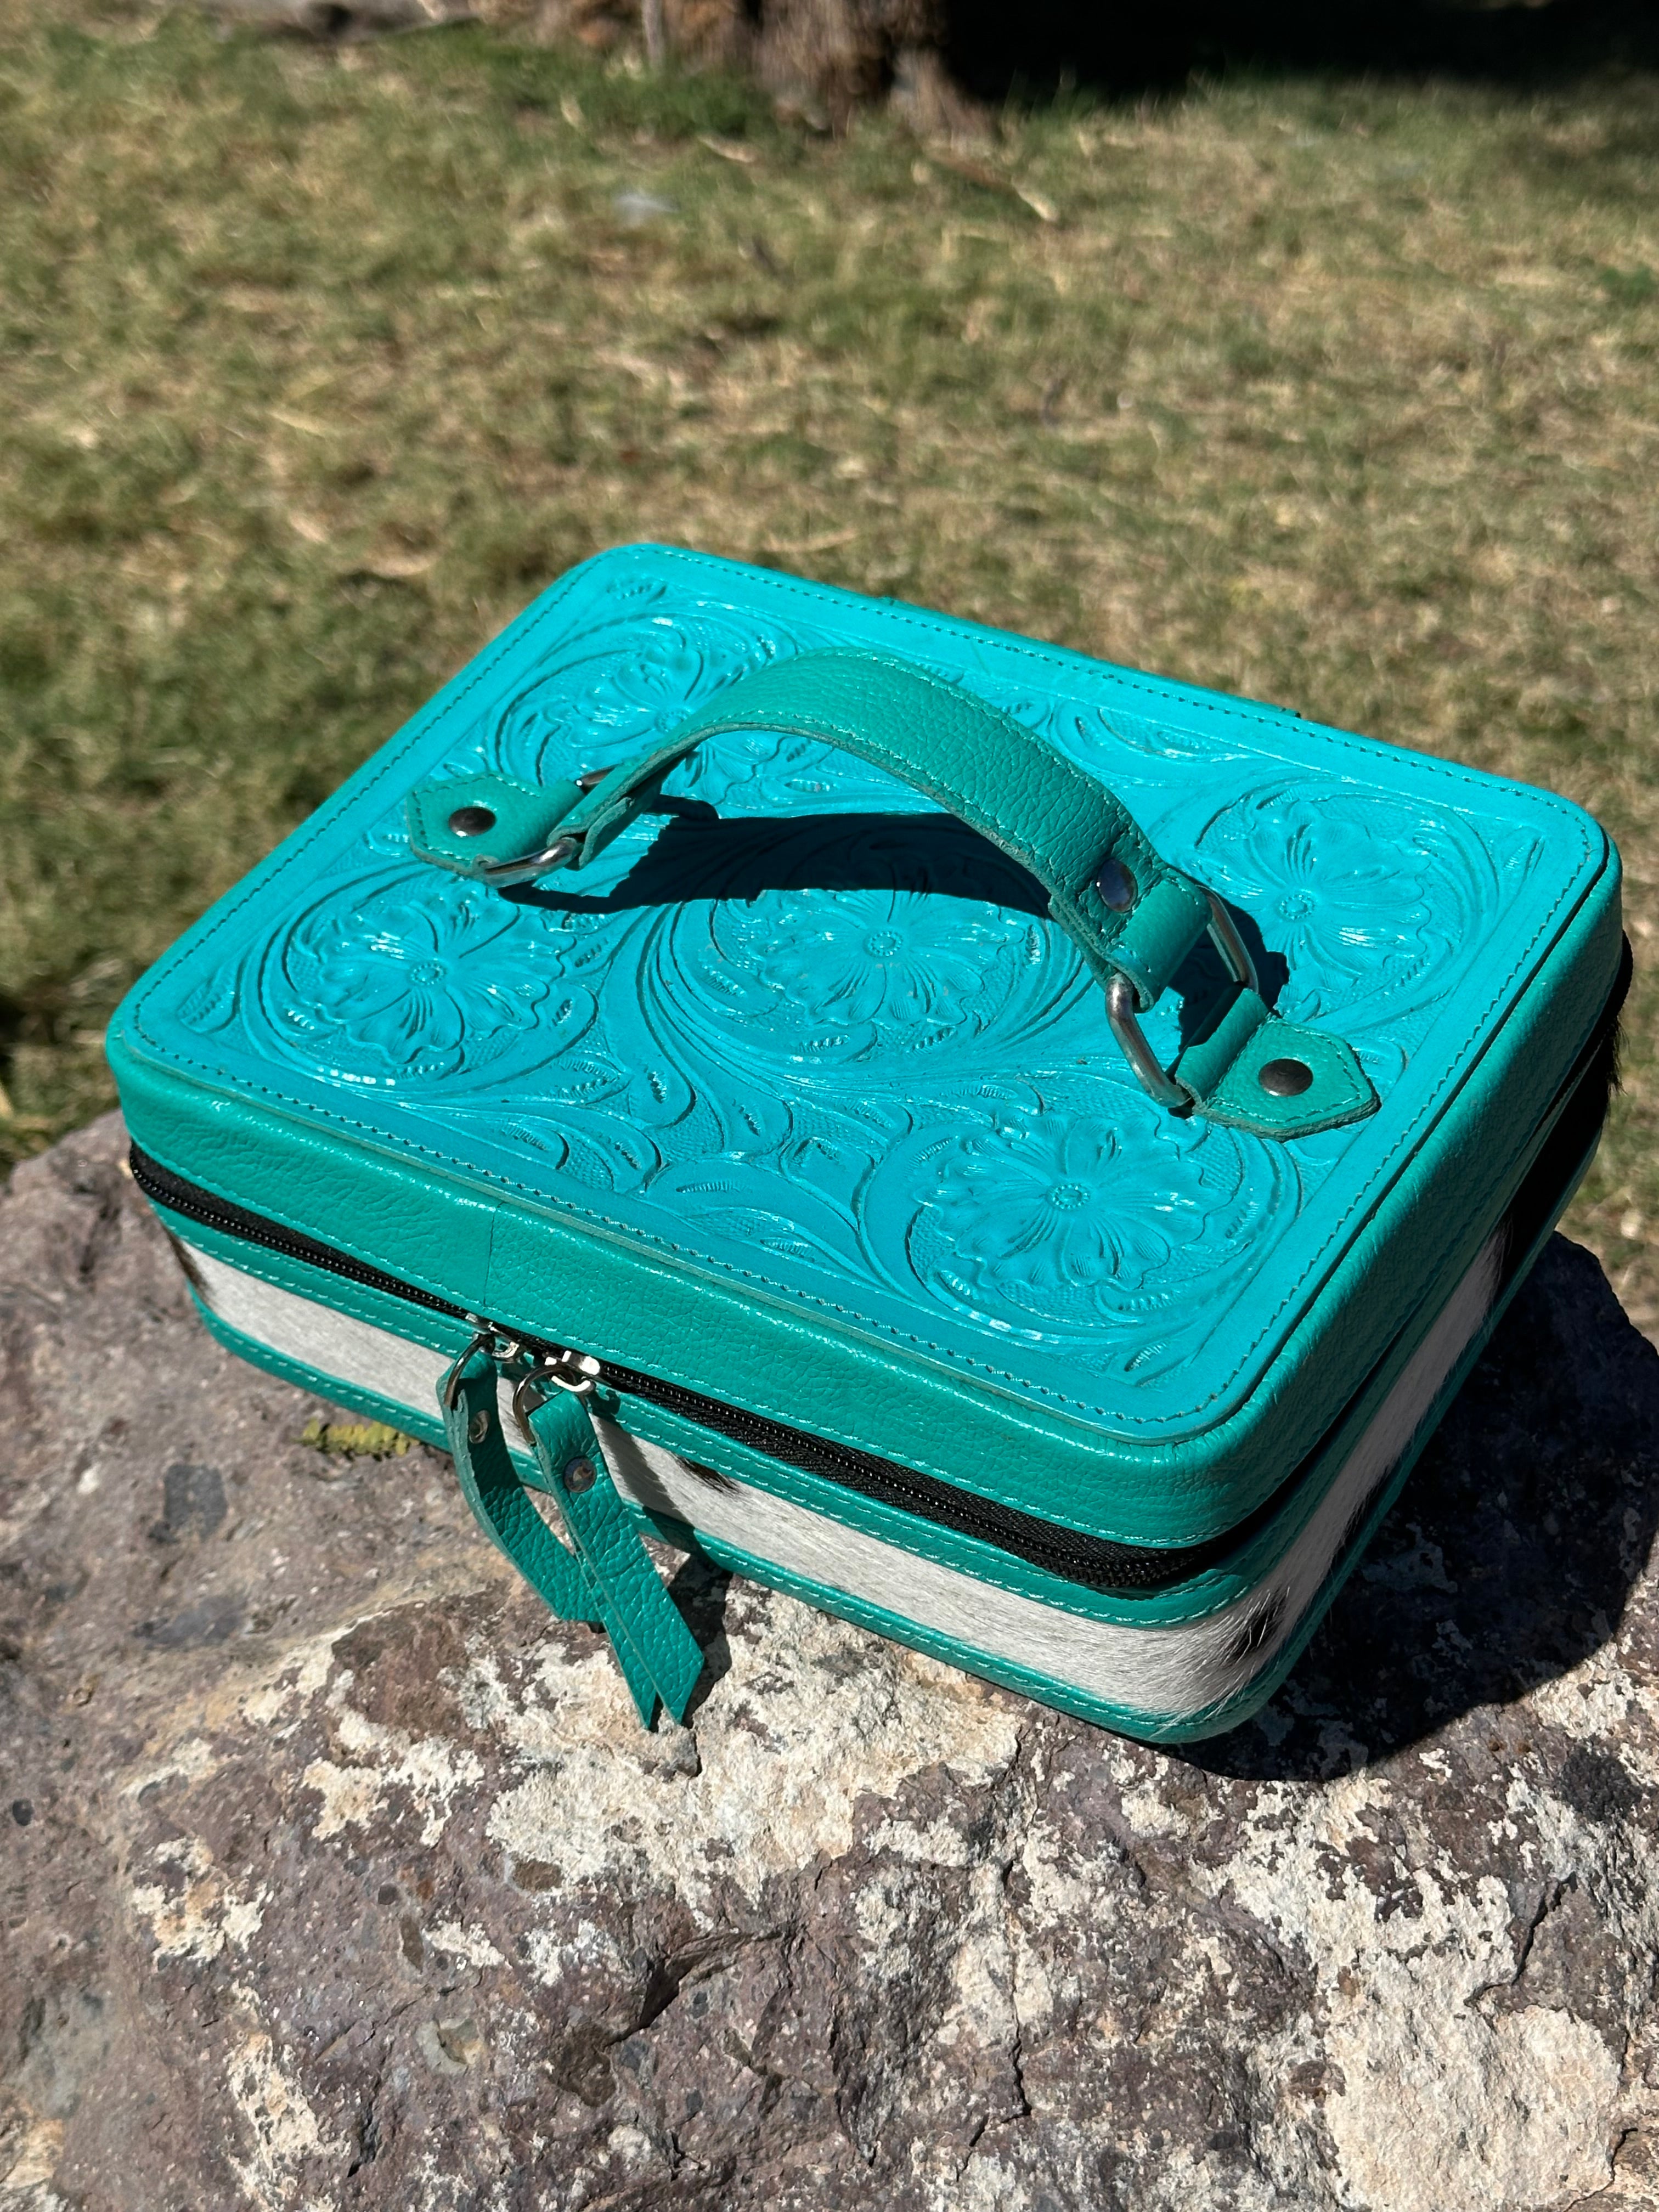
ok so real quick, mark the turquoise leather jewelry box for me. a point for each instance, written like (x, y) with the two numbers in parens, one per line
(1012, 1150)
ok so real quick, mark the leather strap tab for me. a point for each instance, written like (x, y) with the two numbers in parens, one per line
(605, 1575)
(469, 823)
(1233, 1082)
(652, 1642)
(491, 1485)
(1166, 923)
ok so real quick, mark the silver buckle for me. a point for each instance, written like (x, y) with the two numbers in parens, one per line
(1121, 1012)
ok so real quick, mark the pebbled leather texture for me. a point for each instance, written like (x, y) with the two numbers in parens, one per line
(798, 1096)
(657, 1652)
(606, 1576)
(1004, 781)
(491, 1486)
(525, 817)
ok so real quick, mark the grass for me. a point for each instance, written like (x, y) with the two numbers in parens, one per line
(319, 364)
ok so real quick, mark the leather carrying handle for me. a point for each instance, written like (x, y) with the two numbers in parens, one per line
(1127, 910)
(1134, 918)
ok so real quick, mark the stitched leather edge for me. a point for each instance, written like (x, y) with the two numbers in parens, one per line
(382, 764)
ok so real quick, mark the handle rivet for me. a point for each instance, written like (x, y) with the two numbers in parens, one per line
(1286, 1078)
(579, 1476)
(1115, 885)
(472, 821)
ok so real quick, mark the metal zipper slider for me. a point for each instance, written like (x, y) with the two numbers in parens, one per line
(557, 1368)
(576, 1371)
(496, 1341)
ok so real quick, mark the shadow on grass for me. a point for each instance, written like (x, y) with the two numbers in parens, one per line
(1510, 1554)
(997, 51)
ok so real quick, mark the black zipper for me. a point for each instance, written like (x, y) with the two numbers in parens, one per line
(1096, 1562)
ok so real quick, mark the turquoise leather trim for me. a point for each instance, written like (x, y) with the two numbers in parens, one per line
(1235, 1710)
(1148, 1727)
(431, 1431)
(372, 1404)
(1201, 1594)
(1004, 781)
(493, 1488)
(524, 817)
(653, 1643)
(1026, 1682)
(581, 1185)
(1046, 1689)
(399, 1317)
(548, 1280)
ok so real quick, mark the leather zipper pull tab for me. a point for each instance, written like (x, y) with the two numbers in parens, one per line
(490, 1483)
(659, 1656)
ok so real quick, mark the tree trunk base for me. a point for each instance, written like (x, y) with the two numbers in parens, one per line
(823, 59)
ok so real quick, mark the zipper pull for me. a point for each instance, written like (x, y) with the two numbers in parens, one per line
(657, 1652)
(606, 1569)
(577, 1372)
(493, 1488)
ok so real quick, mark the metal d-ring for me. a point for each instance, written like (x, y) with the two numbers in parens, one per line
(561, 1370)
(1155, 1079)
(495, 1341)
(1123, 1012)
(526, 866)
(521, 1411)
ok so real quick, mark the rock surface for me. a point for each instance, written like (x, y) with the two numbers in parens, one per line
(336, 1875)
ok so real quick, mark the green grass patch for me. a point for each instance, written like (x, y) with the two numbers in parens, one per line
(319, 364)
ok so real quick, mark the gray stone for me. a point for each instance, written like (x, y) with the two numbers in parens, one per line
(336, 1875)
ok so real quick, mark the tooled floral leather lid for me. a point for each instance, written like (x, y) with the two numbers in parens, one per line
(802, 1030)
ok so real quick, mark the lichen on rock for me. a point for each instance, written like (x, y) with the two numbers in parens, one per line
(337, 1875)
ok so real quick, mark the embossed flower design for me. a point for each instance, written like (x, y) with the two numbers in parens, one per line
(427, 979)
(623, 682)
(1351, 899)
(885, 964)
(1050, 1204)
(1344, 887)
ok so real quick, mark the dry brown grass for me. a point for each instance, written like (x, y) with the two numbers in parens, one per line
(321, 364)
